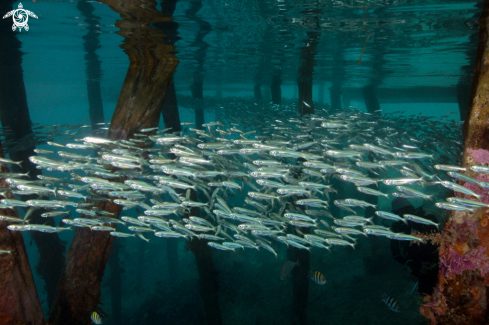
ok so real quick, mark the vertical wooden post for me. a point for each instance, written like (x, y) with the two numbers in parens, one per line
(300, 283)
(91, 43)
(14, 113)
(275, 87)
(460, 296)
(371, 101)
(19, 302)
(306, 70)
(335, 95)
(207, 275)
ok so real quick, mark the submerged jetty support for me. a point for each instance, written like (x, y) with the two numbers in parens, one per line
(91, 43)
(461, 294)
(197, 86)
(171, 116)
(16, 124)
(19, 302)
(207, 275)
(139, 106)
(150, 70)
(300, 283)
(304, 82)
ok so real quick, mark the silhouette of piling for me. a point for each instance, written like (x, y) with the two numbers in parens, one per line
(16, 123)
(19, 302)
(197, 85)
(300, 283)
(275, 87)
(207, 276)
(171, 116)
(91, 43)
(115, 283)
(171, 119)
(304, 82)
(335, 95)
(370, 97)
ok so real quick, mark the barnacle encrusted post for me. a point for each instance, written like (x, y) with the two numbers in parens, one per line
(460, 296)
(19, 302)
(139, 106)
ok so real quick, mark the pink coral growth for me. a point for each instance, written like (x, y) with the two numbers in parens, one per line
(480, 156)
(456, 263)
(483, 192)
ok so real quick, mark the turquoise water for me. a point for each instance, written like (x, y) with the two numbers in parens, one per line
(411, 45)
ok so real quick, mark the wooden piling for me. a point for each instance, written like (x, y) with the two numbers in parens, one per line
(150, 69)
(19, 302)
(14, 114)
(207, 275)
(371, 101)
(275, 87)
(460, 296)
(91, 43)
(139, 106)
(304, 81)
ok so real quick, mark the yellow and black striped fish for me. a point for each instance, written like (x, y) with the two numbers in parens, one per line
(96, 318)
(317, 277)
(391, 303)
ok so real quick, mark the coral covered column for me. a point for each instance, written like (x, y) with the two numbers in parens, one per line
(460, 296)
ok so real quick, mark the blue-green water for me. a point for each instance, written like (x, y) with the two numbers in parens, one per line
(411, 45)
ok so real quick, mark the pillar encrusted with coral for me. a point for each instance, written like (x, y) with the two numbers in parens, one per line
(460, 296)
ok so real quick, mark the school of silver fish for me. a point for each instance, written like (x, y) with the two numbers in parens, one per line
(279, 164)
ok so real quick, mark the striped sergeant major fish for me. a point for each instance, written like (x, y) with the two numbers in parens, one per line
(391, 303)
(317, 277)
(96, 318)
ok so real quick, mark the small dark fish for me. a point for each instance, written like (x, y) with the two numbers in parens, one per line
(317, 277)
(391, 303)
(287, 268)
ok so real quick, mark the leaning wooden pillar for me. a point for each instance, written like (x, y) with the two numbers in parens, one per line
(460, 296)
(19, 302)
(207, 275)
(139, 106)
(304, 82)
(14, 114)
(150, 70)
